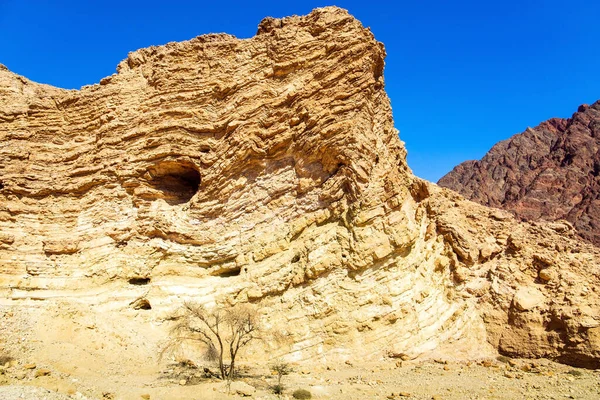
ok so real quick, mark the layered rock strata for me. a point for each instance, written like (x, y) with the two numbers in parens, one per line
(550, 172)
(267, 171)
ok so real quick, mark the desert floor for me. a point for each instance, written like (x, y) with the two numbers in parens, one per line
(389, 379)
(68, 352)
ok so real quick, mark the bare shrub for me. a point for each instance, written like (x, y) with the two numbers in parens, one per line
(281, 368)
(221, 331)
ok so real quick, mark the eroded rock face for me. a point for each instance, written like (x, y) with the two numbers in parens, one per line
(268, 171)
(551, 172)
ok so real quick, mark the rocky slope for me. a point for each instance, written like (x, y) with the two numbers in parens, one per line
(551, 172)
(267, 171)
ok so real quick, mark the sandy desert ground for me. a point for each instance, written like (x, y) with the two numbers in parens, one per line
(388, 379)
(84, 356)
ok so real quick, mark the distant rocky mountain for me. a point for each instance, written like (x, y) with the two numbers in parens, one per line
(550, 172)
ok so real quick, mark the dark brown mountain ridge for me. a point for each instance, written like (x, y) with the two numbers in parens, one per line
(550, 172)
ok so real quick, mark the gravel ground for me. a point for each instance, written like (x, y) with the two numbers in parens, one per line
(436, 380)
(79, 361)
(14, 392)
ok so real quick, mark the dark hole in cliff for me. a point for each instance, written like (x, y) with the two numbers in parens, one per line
(141, 304)
(229, 273)
(138, 281)
(1, 185)
(296, 258)
(178, 182)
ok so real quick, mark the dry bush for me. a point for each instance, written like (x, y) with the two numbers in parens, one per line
(281, 368)
(222, 332)
(503, 359)
(575, 372)
(302, 394)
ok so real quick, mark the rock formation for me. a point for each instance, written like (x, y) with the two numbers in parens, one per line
(551, 172)
(268, 171)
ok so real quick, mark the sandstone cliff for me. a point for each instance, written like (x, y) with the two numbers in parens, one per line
(550, 172)
(264, 170)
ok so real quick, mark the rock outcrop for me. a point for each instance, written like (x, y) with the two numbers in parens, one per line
(267, 171)
(550, 172)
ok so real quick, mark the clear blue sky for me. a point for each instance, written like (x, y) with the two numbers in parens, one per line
(462, 75)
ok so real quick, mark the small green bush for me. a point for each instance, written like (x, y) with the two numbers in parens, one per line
(503, 359)
(278, 389)
(302, 394)
(574, 372)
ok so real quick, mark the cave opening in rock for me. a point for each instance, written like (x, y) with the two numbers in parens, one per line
(230, 272)
(141, 304)
(178, 182)
(139, 281)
